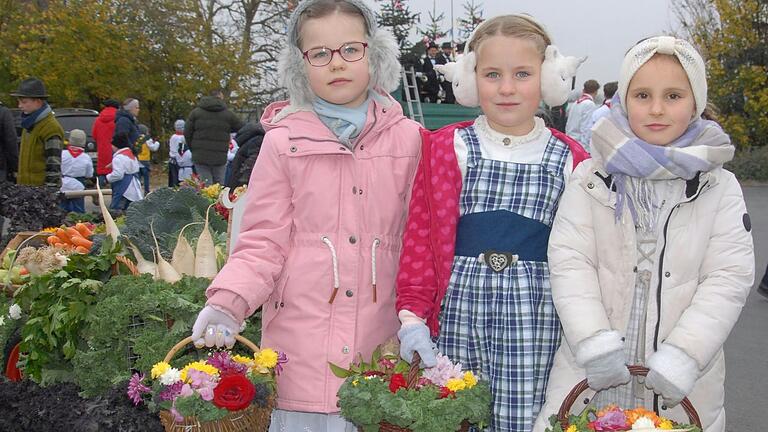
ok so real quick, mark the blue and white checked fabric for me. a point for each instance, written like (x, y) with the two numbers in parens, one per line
(504, 325)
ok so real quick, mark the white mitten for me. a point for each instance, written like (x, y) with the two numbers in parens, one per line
(673, 373)
(557, 72)
(214, 327)
(415, 338)
(603, 359)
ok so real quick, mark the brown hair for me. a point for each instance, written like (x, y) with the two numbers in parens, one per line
(517, 26)
(323, 8)
(591, 86)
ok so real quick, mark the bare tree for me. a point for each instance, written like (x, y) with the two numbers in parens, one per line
(698, 21)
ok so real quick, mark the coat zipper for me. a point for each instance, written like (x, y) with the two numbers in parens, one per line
(658, 287)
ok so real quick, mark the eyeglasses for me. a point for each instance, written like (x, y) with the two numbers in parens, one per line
(350, 52)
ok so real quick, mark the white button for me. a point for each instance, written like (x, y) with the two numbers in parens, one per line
(345, 350)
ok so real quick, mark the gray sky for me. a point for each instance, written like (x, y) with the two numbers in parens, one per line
(601, 29)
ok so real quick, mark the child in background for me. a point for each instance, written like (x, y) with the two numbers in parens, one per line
(482, 205)
(124, 179)
(76, 168)
(145, 145)
(651, 253)
(325, 212)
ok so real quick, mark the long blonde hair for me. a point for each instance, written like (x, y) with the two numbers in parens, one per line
(517, 26)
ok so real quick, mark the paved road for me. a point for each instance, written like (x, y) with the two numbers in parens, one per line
(746, 350)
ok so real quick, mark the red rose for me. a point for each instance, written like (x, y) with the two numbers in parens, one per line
(397, 382)
(445, 392)
(234, 392)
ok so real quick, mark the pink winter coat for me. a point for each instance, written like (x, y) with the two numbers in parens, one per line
(320, 216)
(430, 239)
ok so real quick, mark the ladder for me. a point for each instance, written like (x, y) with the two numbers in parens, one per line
(410, 89)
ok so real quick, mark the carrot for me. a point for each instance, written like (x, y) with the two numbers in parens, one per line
(52, 240)
(82, 242)
(81, 250)
(83, 230)
(73, 233)
(60, 233)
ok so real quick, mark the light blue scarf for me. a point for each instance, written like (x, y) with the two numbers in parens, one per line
(345, 123)
(633, 162)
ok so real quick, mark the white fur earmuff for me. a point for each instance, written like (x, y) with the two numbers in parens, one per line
(557, 72)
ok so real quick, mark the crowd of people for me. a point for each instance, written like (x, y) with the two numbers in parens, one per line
(533, 256)
(208, 144)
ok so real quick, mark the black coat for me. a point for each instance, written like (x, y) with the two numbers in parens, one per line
(9, 145)
(249, 139)
(126, 130)
(207, 131)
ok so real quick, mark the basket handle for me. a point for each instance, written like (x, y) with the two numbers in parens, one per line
(242, 339)
(413, 372)
(634, 370)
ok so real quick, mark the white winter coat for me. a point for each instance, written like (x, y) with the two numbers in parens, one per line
(705, 261)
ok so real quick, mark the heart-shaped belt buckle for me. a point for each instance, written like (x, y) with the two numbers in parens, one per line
(498, 261)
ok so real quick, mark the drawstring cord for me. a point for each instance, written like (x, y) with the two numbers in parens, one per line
(328, 243)
(375, 244)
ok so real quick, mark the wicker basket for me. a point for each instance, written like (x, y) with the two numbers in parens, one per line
(251, 419)
(411, 382)
(22, 239)
(578, 389)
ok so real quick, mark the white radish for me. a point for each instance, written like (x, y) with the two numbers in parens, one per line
(142, 264)
(109, 223)
(165, 270)
(205, 252)
(183, 259)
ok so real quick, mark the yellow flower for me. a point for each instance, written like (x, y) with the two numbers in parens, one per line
(212, 191)
(666, 424)
(266, 358)
(355, 383)
(198, 365)
(571, 428)
(159, 369)
(455, 384)
(243, 360)
(470, 379)
(49, 229)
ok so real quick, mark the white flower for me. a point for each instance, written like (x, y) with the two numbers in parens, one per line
(2, 320)
(14, 311)
(643, 423)
(170, 376)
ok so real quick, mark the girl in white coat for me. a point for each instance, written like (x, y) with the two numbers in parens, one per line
(651, 256)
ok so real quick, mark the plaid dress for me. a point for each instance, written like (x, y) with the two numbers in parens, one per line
(504, 324)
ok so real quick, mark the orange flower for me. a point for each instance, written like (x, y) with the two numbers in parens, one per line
(633, 415)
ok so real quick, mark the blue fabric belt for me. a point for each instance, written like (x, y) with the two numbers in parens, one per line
(502, 231)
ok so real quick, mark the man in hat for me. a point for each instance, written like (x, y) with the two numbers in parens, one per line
(432, 86)
(448, 56)
(9, 146)
(42, 137)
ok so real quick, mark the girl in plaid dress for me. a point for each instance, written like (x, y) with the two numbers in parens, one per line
(474, 262)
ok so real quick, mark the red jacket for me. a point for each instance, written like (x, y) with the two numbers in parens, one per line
(103, 128)
(433, 213)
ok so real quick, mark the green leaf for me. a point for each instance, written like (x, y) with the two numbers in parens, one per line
(340, 372)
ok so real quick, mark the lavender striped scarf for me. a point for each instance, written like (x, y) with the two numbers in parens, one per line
(632, 162)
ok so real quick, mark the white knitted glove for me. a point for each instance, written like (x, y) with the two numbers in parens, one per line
(214, 327)
(603, 359)
(415, 338)
(673, 373)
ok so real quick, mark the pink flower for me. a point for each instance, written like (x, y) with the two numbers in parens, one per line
(186, 391)
(443, 371)
(614, 420)
(136, 388)
(177, 415)
(170, 392)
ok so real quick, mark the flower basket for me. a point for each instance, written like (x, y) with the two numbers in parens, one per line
(7, 256)
(589, 420)
(232, 384)
(390, 395)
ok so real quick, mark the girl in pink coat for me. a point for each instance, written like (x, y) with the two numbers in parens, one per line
(326, 207)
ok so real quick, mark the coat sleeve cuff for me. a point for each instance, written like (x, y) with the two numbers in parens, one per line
(676, 366)
(229, 302)
(409, 318)
(602, 343)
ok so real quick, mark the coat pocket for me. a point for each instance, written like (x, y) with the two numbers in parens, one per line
(274, 303)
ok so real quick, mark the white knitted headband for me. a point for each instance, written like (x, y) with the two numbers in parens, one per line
(689, 58)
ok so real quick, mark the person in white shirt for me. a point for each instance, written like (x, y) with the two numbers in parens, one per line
(124, 179)
(76, 167)
(179, 156)
(579, 113)
(233, 147)
(609, 90)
